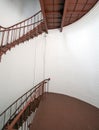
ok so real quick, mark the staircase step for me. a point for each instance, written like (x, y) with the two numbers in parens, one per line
(32, 106)
(26, 37)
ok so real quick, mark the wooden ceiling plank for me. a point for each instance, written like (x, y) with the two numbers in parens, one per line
(53, 13)
(77, 11)
(44, 15)
(64, 14)
(56, 4)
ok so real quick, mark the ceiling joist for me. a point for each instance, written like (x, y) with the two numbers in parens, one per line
(44, 15)
(64, 14)
(54, 13)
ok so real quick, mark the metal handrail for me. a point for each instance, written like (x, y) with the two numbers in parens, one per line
(21, 21)
(11, 111)
(20, 32)
(8, 29)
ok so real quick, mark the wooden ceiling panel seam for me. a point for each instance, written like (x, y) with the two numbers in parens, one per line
(79, 15)
(85, 4)
(87, 9)
(74, 8)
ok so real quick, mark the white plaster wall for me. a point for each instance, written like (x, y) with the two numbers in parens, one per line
(17, 66)
(21, 69)
(14, 11)
(72, 59)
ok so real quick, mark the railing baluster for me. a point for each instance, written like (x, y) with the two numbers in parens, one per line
(20, 31)
(15, 109)
(42, 88)
(16, 31)
(2, 38)
(11, 36)
(41, 23)
(10, 111)
(27, 26)
(47, 86)
(20, 104)
(31, 23)
(34, 25)
(4, 118)
(9, 40)
(14, 35)
(7, 37)
(26, 97)
(38, 23)
(24, 29)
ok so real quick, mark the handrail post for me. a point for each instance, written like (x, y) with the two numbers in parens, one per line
(42, 88)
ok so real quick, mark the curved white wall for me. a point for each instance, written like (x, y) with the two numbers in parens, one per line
(17, 70)
(14, 11)
(72, 60)
(17, 66)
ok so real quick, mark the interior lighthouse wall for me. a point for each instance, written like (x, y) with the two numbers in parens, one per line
(73, 58)
(71, 61)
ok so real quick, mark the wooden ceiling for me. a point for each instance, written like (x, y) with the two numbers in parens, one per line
(60, 13)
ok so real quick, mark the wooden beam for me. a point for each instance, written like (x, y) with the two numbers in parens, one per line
(55, 4)
(56, 17)
(64, 14)
(44, 15)
(54, 13)
(53, 23)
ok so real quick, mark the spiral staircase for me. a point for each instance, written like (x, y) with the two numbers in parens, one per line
(21, 112)
(21, 32)
(54, 14)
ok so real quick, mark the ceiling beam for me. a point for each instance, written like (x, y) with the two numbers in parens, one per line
(53, 23)
(55, 17)
(44, 15)
(54, 13)
(55, 4)
(64, 14)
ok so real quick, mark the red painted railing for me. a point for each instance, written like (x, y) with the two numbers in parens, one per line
(20, 32)
(17, 115)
